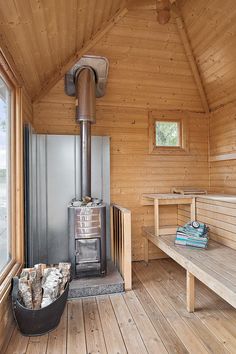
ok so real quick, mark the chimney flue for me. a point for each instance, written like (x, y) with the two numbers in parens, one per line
(85, 95)
(86, 81)
(85, 115)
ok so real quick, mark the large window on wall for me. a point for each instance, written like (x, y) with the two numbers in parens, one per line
(5, 170)
(11, 176)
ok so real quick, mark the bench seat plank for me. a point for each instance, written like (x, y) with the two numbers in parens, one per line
(202, 264)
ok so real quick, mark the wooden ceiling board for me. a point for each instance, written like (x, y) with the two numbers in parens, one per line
(148, 66)
(42, 35)
(211, 28)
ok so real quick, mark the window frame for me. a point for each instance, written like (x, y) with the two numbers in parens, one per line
(16, 179)
(179, 117)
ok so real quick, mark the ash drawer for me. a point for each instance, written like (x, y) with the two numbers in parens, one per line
(88, 267)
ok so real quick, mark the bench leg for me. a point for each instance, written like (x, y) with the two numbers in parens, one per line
(193, 210)
(156, 217)
(190, 291)
(145, 250)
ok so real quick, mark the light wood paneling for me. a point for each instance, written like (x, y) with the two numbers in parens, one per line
(58, 74)
(148, 66)
(223, 147)
(223, 176)
(189, 53)
(42, 35)
(133, 170)
(27, 107)
(211, 28)
(219, 215)
(223, 131)
(148, 70)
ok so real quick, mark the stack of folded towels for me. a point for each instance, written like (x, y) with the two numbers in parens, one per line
(193, 234)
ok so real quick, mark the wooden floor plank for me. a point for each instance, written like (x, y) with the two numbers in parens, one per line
(57, 338)
(111, 331)
(93, 328)
(130, 333)
(18, 343)
(7, 325)
(150, 319)
(184, 332)
(214, 318)
(177, 297)
(76, 342)
(148, 333)
(172, 343)
(37, 345)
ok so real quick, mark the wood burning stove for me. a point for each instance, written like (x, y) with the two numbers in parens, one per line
(87, 216)
(87, 239)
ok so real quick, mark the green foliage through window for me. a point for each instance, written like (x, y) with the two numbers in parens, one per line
(167, 133)
(5, 103)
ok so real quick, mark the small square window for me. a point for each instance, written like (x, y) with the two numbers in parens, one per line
(167, 134)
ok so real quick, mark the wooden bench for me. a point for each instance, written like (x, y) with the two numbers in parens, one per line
(215, 267)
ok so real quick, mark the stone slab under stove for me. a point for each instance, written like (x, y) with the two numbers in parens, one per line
(93, 286)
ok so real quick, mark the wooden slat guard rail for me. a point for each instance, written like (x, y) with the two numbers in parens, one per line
(121, 242)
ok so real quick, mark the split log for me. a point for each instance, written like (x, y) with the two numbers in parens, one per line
(25, 289)
(51, 281)
(36, 286)
(64, 268)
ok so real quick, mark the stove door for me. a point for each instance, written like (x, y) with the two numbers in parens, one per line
(88, 250)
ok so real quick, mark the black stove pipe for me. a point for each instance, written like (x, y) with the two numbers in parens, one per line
(85, 115)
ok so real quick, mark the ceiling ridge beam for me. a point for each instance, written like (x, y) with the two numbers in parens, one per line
(58, 75)
(190, 56)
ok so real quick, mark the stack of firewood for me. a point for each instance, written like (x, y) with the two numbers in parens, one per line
(41, 285)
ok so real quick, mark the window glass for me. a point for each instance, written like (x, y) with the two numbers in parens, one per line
(4, 174)
(167, 133)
